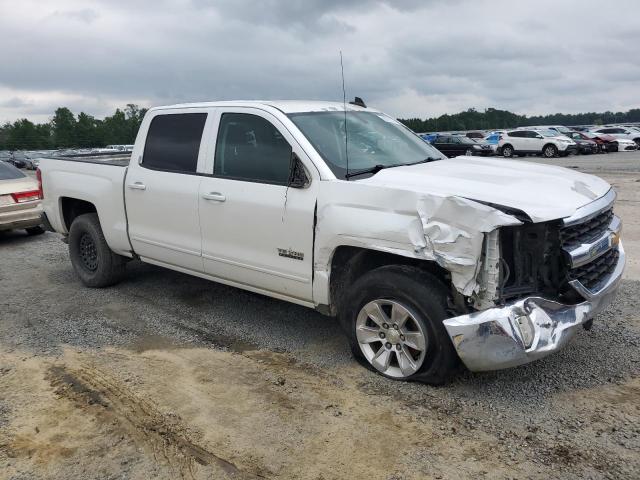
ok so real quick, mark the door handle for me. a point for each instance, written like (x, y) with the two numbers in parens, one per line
(215, 196)
(137, 186)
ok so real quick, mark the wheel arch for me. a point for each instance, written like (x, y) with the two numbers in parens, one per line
(348, 263)
(71, 208)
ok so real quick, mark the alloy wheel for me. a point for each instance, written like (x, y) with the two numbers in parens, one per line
(391, 338)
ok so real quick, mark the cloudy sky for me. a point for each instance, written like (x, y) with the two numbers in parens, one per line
(411, 58)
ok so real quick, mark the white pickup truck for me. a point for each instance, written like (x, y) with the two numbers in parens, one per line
(428, 262)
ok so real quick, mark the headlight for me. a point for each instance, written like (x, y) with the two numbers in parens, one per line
(477, 147)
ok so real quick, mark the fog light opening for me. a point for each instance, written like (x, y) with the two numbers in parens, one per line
(525, 327)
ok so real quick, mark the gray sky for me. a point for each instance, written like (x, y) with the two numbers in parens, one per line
(411, 58)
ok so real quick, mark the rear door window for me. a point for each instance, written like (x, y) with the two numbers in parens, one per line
(251, 148)
(173, 142)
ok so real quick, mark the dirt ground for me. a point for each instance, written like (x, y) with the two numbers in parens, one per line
(137, 382)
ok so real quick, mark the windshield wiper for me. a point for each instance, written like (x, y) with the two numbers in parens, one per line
(376, 168)
(426, 160)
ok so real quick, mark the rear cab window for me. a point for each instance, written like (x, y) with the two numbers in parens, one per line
(173, 142)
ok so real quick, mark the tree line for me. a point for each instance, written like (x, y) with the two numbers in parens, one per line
(493, 118)
(66, 130)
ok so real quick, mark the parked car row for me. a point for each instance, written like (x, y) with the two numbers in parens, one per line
(545, 140)
(30, 159)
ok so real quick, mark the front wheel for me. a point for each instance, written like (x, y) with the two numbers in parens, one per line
(550, 151)
(393, 319)
(92, 259)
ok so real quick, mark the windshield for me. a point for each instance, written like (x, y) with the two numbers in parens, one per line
(563, 129)
(548, 133)
(372, 139)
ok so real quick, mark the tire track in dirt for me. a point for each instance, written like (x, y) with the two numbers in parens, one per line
(90, 388)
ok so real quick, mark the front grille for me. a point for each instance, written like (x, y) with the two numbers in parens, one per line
(593, 274)
(575, 235)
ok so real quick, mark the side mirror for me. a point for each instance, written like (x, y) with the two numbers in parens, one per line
(297, 175)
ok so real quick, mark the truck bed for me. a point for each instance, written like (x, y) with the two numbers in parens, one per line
(91, 179)
(115, 159)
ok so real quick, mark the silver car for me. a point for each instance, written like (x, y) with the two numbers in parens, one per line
(20, 201)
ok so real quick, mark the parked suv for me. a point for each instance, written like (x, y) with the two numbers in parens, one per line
(538, 142)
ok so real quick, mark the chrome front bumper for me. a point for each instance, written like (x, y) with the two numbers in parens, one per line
(498, 337)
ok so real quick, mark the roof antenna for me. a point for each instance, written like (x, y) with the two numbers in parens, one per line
(344, 102)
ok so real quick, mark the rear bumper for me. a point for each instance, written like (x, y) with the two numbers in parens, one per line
(22, 218)
(497, 338)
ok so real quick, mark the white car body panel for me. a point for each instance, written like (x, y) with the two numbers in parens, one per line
(428, 211)
(100, 185)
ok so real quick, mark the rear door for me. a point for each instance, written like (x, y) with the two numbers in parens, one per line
(518, 140)
(161, 190)
(257, 232)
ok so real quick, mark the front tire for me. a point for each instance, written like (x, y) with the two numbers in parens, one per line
(393, 319)
(92, 259)
(549, 151)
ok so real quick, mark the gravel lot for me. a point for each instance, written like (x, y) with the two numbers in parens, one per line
(170, 376)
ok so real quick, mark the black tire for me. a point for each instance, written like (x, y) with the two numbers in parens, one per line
(422, 293)
(507, 151)
(92, 259)
(549, 151)
(35, 230)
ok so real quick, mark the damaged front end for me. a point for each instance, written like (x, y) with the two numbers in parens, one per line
(538, 284)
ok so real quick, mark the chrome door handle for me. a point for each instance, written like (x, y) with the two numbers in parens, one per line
(215, 196)
(137, 186)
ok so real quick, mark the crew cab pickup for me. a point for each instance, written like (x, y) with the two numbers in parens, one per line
(429, 263)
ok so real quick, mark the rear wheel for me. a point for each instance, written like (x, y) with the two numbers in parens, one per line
(92, 259)
(549, 151)
(393, 319)
(35, 230)
(507, 151)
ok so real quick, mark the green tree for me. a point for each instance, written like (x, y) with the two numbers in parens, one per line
(64, 125)
(86, 132)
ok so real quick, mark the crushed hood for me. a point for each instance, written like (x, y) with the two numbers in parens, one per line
(543, 192)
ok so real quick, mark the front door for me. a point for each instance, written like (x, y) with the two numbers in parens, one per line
(256, 231)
